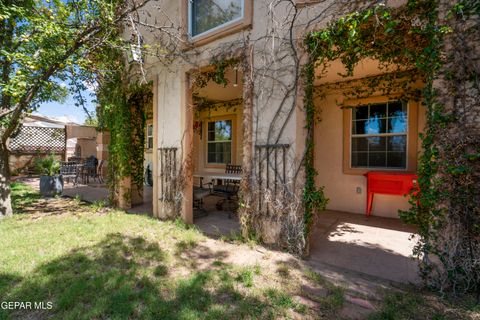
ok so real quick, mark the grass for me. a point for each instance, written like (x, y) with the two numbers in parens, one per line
(92, 262)
(425, 305)
(22, 196)
(95, 262)
(335, 300)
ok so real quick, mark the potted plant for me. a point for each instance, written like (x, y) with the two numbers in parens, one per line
(51, 182)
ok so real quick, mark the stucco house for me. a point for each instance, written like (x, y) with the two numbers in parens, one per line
(235, 94)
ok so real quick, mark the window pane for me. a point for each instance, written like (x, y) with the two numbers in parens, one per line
(377, 159)
(359, 144)
(358, 127)
(208, 14)
(375, 125)
(397, 160)
(378, 111)
(360, 113)
(149, 130)
(219, 152)
(397, 143)
(397, 109)
(377, 144)
(371, 147)
(223, 130)
(397, 125)
(359, 159)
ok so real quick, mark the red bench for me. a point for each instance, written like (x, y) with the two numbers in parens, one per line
(398, 183)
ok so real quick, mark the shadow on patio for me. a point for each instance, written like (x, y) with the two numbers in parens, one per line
(217, 223)
(376, 246)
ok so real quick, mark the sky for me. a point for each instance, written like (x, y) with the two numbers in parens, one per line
(68, 108)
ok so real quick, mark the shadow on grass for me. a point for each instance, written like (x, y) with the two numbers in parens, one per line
(123, 277)
(23, 196)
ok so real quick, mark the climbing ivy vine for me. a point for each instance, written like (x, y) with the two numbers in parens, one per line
(122, 112)
(408, 43)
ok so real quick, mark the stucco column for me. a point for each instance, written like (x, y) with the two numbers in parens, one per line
(155, 148)
(187, 146)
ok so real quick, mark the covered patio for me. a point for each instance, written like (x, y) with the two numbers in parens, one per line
(216, 224)
(375, 246)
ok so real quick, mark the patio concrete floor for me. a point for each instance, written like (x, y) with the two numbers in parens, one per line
(99, 192)
(217, 223)
(374, 246)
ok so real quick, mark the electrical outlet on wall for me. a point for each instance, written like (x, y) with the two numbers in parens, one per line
(359, 190)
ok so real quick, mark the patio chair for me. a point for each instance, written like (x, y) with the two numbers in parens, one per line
(98, 174)
(228, 190)
(199, 194)
(74, 159)
(69, 170)
(90, 168)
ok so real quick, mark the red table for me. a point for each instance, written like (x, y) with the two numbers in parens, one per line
(383, 182)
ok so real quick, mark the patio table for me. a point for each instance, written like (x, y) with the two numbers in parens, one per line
(218, 176)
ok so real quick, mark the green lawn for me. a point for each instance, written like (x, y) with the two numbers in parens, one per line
(93, 262)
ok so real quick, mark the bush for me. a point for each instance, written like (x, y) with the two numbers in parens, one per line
(48, 166)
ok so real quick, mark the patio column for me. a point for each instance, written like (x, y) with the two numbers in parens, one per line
(187, 203)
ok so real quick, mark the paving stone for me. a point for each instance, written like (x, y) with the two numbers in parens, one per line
(360, 302)
(314, 291)
(353, 312)
(308, 302)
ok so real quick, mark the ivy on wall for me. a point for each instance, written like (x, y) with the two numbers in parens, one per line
(123, 109)
(408, 43)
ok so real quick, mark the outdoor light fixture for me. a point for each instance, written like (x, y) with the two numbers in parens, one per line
(134, 54)
(235, 84)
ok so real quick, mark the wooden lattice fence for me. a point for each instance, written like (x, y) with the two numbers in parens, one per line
(38, 140)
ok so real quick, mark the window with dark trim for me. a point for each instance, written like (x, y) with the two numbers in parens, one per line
(208, 15)
(379, 136)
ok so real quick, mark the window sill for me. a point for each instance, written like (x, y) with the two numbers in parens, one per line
(362, 171)
(213, 35)
(304, 3)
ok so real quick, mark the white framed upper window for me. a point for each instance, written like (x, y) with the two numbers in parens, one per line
(379, 136)
(219, 142)
(205, 16)
(149, 138)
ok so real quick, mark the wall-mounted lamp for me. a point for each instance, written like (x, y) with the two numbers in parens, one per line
(235, 84)
(135, 52)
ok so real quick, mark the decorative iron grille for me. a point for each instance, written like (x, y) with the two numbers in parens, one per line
(167, 159)
(38, 139)
(271, 169)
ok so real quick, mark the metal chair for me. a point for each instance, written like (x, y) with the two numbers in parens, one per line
(90, 168)
(228, 190)
(199, 194)
(69, 170)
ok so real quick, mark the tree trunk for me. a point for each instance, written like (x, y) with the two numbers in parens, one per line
(5, 200)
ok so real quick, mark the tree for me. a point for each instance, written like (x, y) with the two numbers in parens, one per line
(42, 44)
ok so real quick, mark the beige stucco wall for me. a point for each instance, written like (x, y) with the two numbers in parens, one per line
(76, 131)
(21, 163)
(278, 117)
(89, 147)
